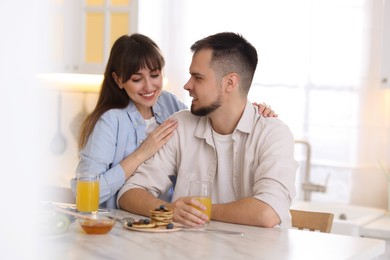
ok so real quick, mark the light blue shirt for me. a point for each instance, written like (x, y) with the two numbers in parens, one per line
(118, 133)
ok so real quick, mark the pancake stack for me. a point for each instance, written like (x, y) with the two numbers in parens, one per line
(161, 216)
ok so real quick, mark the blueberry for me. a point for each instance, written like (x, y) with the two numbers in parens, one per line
(163, 208)
(170, 226)
(146, 221)
(129, 224)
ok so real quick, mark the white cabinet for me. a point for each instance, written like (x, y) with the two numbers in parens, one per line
(82, 32)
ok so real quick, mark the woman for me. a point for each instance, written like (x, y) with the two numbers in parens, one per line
(129, 123)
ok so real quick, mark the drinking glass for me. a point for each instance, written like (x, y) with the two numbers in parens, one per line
(87, 199)
(201, 191)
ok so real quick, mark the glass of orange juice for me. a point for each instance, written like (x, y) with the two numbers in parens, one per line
(201, 191)
(87, 198)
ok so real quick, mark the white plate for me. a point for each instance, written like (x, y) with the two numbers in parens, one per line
(161, 229)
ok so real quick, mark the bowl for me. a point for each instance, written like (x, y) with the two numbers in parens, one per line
(54, 223)
(99, 225)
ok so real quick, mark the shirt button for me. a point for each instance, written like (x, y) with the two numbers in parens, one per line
(141, 141)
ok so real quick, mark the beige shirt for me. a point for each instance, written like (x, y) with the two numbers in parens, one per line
(263, 165)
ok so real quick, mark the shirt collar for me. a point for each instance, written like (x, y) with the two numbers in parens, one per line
(203, 128)
(157, 111)
(133, 113)
(247, 119)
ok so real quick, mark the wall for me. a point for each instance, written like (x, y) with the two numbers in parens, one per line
(74, 106)
(22, 54)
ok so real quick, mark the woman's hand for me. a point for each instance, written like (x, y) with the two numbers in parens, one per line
(265, 110)
(158, 138)
(149, 147)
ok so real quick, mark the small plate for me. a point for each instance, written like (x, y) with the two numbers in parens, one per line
(161, 229)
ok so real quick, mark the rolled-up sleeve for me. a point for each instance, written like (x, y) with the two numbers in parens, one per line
(274, 179)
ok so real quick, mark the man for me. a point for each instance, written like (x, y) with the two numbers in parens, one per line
(248, 158)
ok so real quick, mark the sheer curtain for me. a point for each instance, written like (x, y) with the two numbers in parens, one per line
(319, 64)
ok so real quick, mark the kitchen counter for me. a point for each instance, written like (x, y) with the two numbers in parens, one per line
(256, 243)
(379, 228)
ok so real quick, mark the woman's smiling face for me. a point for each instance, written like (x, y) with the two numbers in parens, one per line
(143, 88)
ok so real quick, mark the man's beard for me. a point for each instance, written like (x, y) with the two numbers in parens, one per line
(204, 111)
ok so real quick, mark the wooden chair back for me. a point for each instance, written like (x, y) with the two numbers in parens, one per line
(310, 220)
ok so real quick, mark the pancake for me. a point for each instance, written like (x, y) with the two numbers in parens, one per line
(161, 216)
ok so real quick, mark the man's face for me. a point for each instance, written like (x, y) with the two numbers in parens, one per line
(203, 86)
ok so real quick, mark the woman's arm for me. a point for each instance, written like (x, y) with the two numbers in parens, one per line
(149, 147)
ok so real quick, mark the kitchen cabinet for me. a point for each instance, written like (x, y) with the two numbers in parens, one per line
(82, 32)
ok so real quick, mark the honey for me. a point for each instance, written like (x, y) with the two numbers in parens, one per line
(95, 227)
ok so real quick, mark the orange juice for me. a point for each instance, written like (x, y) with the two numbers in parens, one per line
(87, 199)
(207, 202)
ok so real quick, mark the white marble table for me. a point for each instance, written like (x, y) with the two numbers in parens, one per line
(256, 243)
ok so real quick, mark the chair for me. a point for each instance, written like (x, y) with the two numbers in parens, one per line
(313, 221)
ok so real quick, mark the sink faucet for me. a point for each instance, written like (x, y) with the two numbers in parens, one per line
(307, 186)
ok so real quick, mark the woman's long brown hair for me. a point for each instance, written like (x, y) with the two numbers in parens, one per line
(128, 55)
